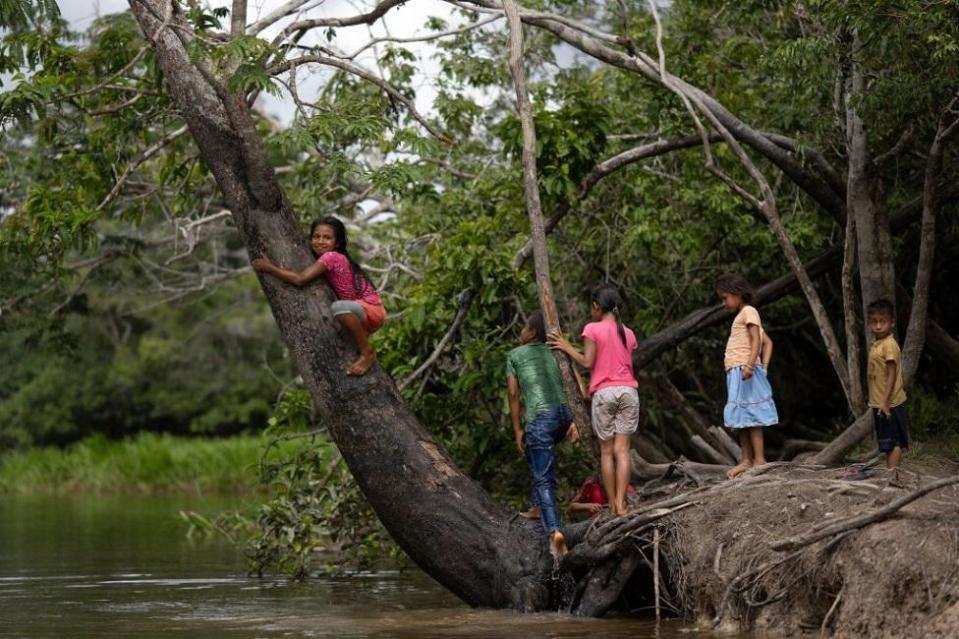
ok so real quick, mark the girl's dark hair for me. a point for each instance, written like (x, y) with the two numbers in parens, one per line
(606, 296)
(737, 285)
(360, 279)
(536, 322)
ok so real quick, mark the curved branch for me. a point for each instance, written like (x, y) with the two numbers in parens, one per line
(277, 14)
(364, 18)
(916, 334)
(420, 496)
(355, 69)
(426, 38)
(817, 188)
(830, 528)
(464, 299)
(605, 168)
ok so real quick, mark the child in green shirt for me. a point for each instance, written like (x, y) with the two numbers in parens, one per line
(533, 380)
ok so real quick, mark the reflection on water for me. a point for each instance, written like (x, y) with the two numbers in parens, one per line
(122, 567)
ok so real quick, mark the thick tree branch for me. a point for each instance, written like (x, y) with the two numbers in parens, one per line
(421, 496)
(876, 276)
(638, 62)
(238, 18)
(916, 334)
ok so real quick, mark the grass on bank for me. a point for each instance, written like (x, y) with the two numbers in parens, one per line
(144, 464)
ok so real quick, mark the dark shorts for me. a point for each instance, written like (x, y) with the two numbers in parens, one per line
(892, 431)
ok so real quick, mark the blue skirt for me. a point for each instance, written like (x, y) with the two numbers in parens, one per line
(749, 402)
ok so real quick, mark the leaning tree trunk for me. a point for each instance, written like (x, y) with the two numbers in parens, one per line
(443, 520)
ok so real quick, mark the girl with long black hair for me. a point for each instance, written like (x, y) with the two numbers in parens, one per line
(358, 307)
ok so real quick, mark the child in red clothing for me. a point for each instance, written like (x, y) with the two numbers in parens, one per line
(591, 497)
(358, 307)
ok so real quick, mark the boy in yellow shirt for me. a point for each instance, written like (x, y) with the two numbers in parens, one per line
(887, 398)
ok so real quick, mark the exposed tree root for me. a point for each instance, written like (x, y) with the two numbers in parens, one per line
(786, 548)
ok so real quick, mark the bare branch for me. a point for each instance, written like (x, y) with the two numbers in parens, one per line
(427, 38)
(364, 18)
(831, 528)
(113, 76)
(143, 157)
(639, 62)
(369, 76)
(899, 147)
(464, 299)
(116, 108)
(277, 14)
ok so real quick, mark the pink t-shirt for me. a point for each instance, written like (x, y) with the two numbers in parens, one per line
(340, 276)
(613, 365)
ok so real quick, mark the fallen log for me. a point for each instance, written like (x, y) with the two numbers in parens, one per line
(730, 446)
(711, 453)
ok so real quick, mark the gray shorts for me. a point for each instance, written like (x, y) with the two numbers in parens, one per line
(615, 411)
(345, 307)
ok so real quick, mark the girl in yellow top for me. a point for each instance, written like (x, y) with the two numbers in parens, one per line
(749, 405)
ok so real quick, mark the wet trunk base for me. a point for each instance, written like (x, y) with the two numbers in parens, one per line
(786, 549)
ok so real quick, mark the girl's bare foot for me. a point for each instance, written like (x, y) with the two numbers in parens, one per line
(532, 513)
(738, 469)
(362, 364)
(557, 545)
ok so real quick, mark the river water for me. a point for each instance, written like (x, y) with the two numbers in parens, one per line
(122, 567)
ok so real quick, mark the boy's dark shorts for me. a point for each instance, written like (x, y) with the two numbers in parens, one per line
(892, 431)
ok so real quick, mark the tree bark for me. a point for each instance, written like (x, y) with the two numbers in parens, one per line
(916, 334)
(940, 345)
(536, 224)
(238, 18)
(853, 362)
(876, 267)
(486, 558)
